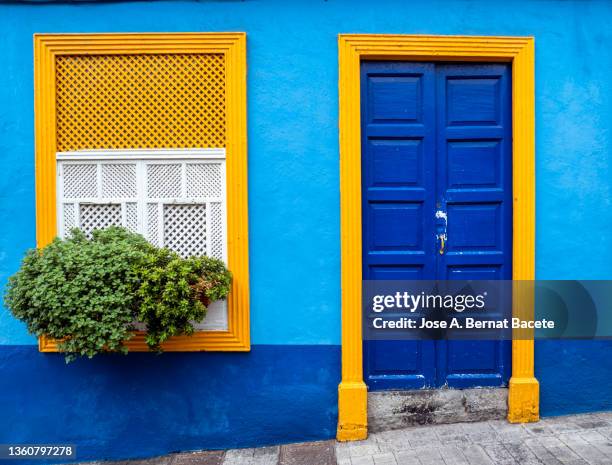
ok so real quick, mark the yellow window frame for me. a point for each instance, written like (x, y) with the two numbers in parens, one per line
(523, 400)
(233, 46)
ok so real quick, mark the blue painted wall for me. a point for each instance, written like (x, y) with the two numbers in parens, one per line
(144, 405)
(575, 376)
(294, 217)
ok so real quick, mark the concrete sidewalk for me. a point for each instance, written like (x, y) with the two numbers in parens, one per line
(568, 440)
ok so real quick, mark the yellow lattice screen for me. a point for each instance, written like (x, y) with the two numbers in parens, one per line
(140, 101)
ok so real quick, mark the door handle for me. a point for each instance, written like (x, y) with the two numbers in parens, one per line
(442, 239)
(441, 223)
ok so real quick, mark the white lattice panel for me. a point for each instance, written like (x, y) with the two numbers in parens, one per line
(118, 180)
(69, 217)
(131, 216)
(80, 180)
(216, 230)
(99, 216)
(152, 231)
(204, 180)
(164, 180)
(175, 199)
(185, 228)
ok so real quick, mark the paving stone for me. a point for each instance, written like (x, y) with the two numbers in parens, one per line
(565, 455)
(428, 455)
(592, 424)
(604, 444)
(499, 454)
(605, 416)
(198, 458)
(475, 455)
(343, 445)
(606, 432)
(482, 438)
(564, 427)
(309, 453)
(544, 455)
(453, 440)
(364, 460)
(407, 458)
(454, 428)
(476, 428)
(388, 447)
(588, 421)
(238, 457)
(363, 448)
(265, 456)
(481, 433)
(451, 434)
(585, 450)
(342, 453)
(532, 442)
(571, 439)
(452, 455)
(592, 436)
(605, 448)
(502, 426)
(550, 441)
(538, 429)
(386, 458)
(391, 441)
(513, 436)
(522, 454)
(421, 436)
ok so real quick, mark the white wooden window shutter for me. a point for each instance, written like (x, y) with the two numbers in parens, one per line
(174, 198)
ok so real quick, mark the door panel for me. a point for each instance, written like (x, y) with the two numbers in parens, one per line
(398, 168)
(436, 137)
(474, 172)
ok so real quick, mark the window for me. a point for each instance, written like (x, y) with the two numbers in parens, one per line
(176, 199)
(148, 131)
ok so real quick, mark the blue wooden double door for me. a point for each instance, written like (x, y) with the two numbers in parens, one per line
(437, 204)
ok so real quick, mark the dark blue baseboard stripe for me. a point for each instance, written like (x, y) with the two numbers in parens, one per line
(142, 405)
(575, 376)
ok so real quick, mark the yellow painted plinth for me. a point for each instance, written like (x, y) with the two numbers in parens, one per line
(352, 411)
(523, 400)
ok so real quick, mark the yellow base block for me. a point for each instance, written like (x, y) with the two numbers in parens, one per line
(352, 411)
(524, 400)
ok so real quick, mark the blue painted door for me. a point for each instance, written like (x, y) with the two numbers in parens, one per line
(436, 138)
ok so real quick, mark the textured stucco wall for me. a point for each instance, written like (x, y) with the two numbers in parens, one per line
(144, 405)
(294, 214)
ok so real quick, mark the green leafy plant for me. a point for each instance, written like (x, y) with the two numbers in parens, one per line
(87, 293)
(176, 291)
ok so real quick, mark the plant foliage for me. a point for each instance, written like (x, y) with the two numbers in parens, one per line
(87, 293)
(176, 291)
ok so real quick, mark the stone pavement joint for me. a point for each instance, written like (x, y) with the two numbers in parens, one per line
(569, 440)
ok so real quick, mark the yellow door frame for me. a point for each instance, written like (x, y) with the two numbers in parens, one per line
(523, 398)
